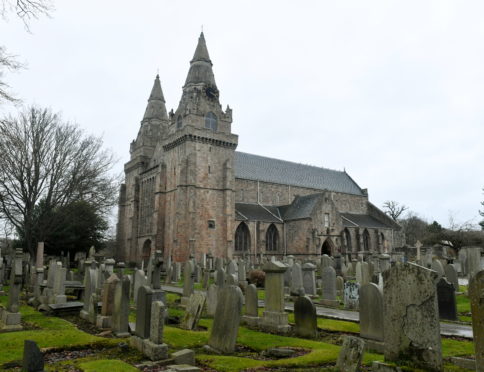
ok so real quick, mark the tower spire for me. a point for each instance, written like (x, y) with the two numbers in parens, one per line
(200, 66)
(156, 102)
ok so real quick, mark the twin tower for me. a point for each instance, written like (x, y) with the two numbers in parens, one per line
(178, 195)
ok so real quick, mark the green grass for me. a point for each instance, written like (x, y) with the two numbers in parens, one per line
(107, 365)
(452, 347)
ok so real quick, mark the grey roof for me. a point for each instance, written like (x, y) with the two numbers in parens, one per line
(260, 168)
(363, 220)
(301, 207)
(256, 212)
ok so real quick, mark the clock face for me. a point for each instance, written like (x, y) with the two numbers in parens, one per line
(211, 92)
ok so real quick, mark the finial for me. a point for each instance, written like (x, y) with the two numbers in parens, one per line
(202, 28)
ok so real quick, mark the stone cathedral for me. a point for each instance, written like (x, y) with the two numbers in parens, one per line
(188, 191)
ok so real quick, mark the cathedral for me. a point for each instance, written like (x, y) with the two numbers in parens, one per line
(187, 190)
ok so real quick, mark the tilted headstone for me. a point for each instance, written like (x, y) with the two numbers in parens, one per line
(226, 321)
(411, 322)
(104, 319)
(33, 359)
(476, 295)
(446, 300)
(351, 354)
(194, 310)
(305, 317)
(371, 312)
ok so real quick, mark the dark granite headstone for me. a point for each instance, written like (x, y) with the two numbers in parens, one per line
(33, 360)
(305, 317)
(446, 299)
(143, 312)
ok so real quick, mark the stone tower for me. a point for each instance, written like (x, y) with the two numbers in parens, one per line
(197, 172)
(132, 217)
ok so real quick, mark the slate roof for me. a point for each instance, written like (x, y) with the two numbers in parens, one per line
(256, 212)
(260, 168)
(362, 220)
(301, 207)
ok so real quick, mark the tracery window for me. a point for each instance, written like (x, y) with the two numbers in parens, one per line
(242, 238)
(179, 122)
(211, 121)
(272, 238)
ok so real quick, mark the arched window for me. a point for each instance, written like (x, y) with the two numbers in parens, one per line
(272, 238)
(366, 240)
(347, 238)
(211, 121)
(242, 238)
(179, 122)
(146, 253)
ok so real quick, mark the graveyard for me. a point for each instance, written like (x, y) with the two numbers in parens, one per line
(384, 313)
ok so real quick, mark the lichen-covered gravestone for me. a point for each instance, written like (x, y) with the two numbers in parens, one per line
(305, 317)
(329, 287)
(371, 312)
(251, 316)
(194, 310)
(274, 317)
(351, 354)
(121, 308)
(411, 322)
(476, 294)
(351, 295)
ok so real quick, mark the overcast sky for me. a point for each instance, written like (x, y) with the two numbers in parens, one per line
(391, 91)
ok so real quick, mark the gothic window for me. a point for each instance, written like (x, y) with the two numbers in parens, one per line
(366, 240)
(347, 237)
(211, 121)
(272, 238)
(326, 220)
(179, 122)
(242, 238)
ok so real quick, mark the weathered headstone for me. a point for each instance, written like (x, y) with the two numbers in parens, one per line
(220, 278)
(251, 301)
(10, 316)
(371, 315)
(329, 287)
(33, 359)
(297, 280)
(274, 317)
(104, 320)
(139, 281)
(438, 268)
(473, 261)
(451, 275)
(351, 354)
(212, 297)
(351, 295)
(226, 320)
(411, 322)
(154, 348)
(90, 282)
(476, 295)
(340, 284)
(194, 310)
(121, 308)
(309, 278)
(305, 317)
(143, 312)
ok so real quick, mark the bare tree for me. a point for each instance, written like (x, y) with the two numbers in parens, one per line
(394, 209)
(47, 160)
(7, 62)
(26, 10)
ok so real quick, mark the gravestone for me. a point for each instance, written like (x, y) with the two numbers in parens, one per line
(473, 261)
(446, 300)
(351, 295)
(451, 275)
(305, 317)
(121, 308)
(10, 316)
(329, 287)
(438, 268)
(226, 321)
(297, 281)
(351, 354)
(33, 359)
(411, 322)
(153, 347)
(139, 281)
(39, 261)
(309, 278)
(194, 310)
(251, 316)
(220, 278)
(143, 312)
(274, 316)
(476, 295)
(104, 320)
(340, 284)
(188, 281)
(212, 296)
(371, 316)
(90, 282)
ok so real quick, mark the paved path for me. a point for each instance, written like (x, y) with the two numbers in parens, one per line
(446, 329)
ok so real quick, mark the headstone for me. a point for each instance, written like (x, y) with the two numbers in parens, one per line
(59, 288)
(90, 282)
(438, 268)
(143, 312)
(309, 278)
(121, 308)
(10, 316)
(33, 360)
(297, 280)
(305, 317)
(476, 295)
(446, 300)
(351, 354)
(220, 278)
(153, 347)
(104, 319)
(351, 295)
(212, 295)
(39, 261)
(473, 261)
(451, 275)
(139, 281)
(274, 317)
(411, 322)
(194, 310)
(251, 301)
(340, 285)
(329, 287)
(371, 312)
(226, 322)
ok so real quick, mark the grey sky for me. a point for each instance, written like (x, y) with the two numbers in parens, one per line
(393, 91)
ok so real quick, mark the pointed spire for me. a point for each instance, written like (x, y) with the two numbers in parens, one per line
(201, 65)
(156, 103)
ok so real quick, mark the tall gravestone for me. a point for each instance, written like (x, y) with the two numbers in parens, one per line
(251, 316)
(309, 278)
(476, 295)
(274, 317)
(121, 308)
(90, 282)
(305, 317)
(226, 321)
(473, 261)
(411, 322)
(194, 310)
(329, 287)
(10, 316)
(212, 298)
(104, 320)
(143, 312)
(371, 315)
(188, 281)
(446, 300)
(153, 347)
(351, 295)
(139, 281)
(297, 280)
(451, 275)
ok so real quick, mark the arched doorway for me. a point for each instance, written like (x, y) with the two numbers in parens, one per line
(327, 247)
(146, 251)
(242, 238)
